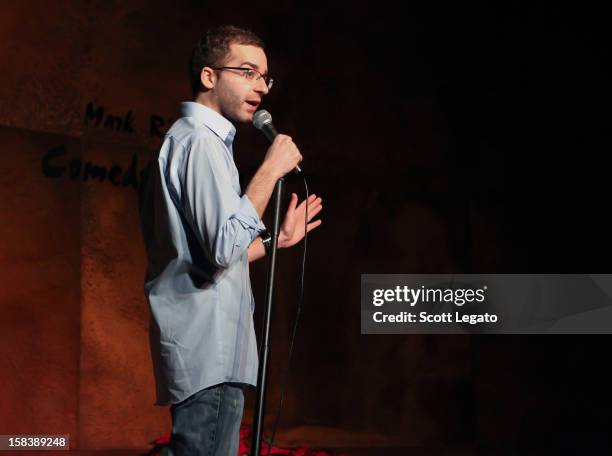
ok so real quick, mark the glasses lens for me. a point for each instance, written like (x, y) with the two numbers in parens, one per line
(270, 82)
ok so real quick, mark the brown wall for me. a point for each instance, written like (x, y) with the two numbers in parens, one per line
(73, 336)
(40, 294)
(420, 130)
(77, 360)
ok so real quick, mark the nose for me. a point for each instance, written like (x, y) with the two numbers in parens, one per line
(261, 86)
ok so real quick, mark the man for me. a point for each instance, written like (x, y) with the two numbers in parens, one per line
(200, 234)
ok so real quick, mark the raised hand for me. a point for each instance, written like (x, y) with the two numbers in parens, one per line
(292, 229)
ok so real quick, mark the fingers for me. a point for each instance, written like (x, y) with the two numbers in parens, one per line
(283, 155)
(315, 202)
(314, 207)
(292, 149)
(313, 225)
(292, 202)
(314, 211)
(312, 200)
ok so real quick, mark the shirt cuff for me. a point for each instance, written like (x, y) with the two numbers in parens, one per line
(249, 216)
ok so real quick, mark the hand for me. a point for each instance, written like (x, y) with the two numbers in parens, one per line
(282, 156)
(292, 229)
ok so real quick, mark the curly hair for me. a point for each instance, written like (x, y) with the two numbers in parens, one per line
(212, 49)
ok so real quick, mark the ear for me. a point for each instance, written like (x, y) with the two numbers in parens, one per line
(208, 78)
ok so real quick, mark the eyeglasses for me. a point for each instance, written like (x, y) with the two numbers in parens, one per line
(251, 75)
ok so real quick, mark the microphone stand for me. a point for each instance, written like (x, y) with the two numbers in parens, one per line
(262, 372)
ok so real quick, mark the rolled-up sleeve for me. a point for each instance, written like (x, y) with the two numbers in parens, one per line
(225, 222)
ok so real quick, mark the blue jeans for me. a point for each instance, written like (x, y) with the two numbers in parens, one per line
(207, 423)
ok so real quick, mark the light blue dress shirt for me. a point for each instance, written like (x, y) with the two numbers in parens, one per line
(197, 229)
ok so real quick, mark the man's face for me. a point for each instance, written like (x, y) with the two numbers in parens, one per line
(236, 97)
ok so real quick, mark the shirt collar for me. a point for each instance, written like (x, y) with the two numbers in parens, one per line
(222, 127)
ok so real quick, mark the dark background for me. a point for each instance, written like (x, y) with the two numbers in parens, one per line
(465, 138)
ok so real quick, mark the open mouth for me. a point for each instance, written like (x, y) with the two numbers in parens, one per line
(253, 103)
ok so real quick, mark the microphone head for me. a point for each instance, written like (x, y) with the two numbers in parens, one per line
(261, 118)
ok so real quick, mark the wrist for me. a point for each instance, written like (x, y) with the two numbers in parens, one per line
(269, 172)
(266, 240)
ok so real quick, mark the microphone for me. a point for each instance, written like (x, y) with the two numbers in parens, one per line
(262, 120)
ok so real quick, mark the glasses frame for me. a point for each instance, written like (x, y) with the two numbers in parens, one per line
(267, 79)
